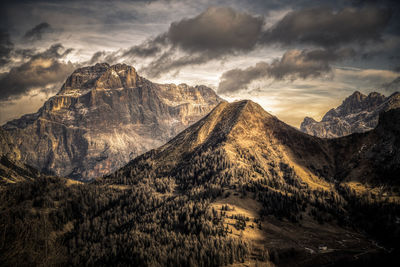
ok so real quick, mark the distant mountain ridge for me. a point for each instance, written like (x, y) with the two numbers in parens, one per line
(358, 113)
(102, 117)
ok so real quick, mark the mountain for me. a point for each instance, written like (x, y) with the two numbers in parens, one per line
(358, 113)
(372, 157)
(13, 171)
(252, 140)
(296, 192)
(102, 117)
(244, 128)
(237, 187)
(8, 148)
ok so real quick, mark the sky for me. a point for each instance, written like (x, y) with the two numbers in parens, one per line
(296, 58)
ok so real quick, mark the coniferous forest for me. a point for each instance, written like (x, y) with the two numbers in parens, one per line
(139, 217)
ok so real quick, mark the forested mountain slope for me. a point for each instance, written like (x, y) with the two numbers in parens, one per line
(238, 187)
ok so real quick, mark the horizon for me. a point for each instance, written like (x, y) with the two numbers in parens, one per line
(226, 98)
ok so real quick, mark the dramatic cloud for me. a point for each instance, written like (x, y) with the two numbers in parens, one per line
(104, 56)
(6, 47)
(237, 79)
(222, 31)
(37, 32)
(167, 62)
(215, 33)
(293, 64)
(217, 29)
(41, 70)
(327, 28)
(147, 49)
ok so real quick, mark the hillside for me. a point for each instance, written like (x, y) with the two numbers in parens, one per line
(358, 113)
(12, 171)
(239, 187)
(284, 184)
(102, 117)
(373, 157)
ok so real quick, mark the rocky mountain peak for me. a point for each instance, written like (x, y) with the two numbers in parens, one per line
(117, 76)
(357, 113)
(359, 102)
(84, 78)
(308, 119)
(100, 76)
(103, 116)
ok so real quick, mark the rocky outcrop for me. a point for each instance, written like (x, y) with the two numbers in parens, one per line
(103, 117)
(358, 113)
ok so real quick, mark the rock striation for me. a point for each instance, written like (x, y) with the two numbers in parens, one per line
(102, 117)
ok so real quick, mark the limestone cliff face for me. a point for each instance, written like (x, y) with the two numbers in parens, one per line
(103, 117)
(358, 113)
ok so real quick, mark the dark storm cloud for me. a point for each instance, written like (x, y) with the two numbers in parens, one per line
(222, 31)
(335, 33)
(301, 64)
(40, 70)
(237, 79)
(293, 64)
(37, 32)
(215, 33)
(326, 28)
(217, 29)
(6, 46)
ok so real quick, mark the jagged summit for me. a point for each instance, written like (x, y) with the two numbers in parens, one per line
(104, 116)
(357, 113)
(100, 76)
(357, 102)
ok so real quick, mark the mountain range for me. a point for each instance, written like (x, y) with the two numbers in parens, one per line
(358, 113)
(235, 186)
(102, 117)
